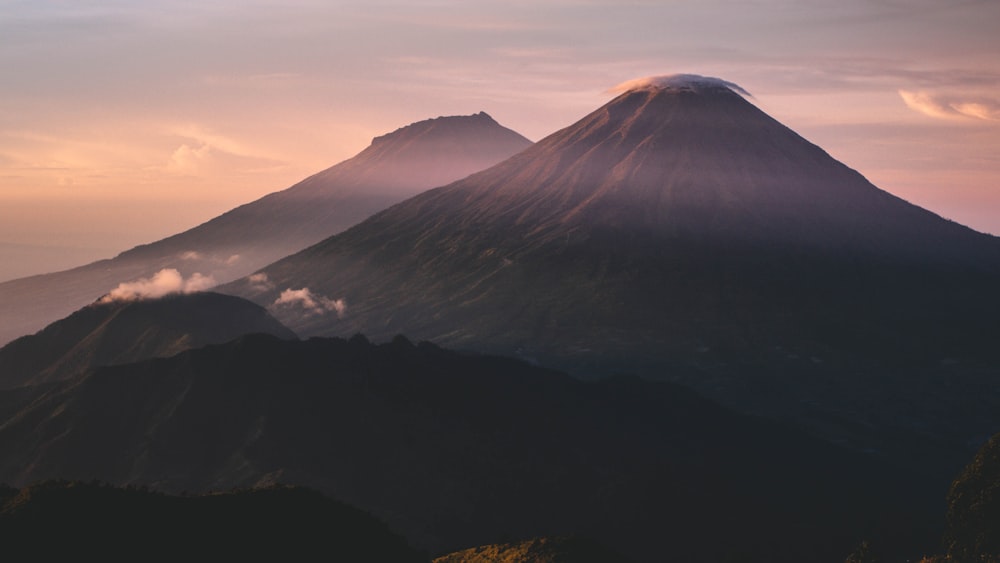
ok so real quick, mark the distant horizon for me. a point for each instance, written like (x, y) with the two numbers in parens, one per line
(124, 124)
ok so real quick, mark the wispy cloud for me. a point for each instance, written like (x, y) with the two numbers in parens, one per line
(206, 144)
(927, 104)
(259, 282)
(187, 159)
(951, 107)
(207, 137)
(988, 109)
(313, 304)
(194, 255)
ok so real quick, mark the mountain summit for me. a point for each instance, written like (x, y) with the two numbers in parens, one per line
(398, 165)
(676, 170)
(688, 156)
(691, 82)
(395, 166)
(677, 232)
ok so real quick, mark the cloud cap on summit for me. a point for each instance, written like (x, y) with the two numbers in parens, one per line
(695, 82)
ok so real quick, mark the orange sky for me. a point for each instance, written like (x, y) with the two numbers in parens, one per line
(124, 122)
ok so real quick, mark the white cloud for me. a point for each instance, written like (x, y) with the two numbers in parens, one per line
(164, 282)
(313, 304)
(951, 107)
(260, 282)
(198, 282)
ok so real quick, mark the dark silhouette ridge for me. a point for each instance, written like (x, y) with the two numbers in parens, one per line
(75, 520)
(455, 450)
(117, 332)
(537, 550)
(397, 165)
(973, 520)
(972, 526)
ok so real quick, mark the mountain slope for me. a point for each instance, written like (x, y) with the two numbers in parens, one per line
(973, 520)
(454, 450)
(679, 232)
(655, 173)
(537, 550)
(397, 165)
(54, 520)
(117, 332)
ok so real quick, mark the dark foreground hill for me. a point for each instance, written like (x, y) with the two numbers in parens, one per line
(57, 520)
(455, 450)
(398, 165)
(681, 233)
(117, 332)
(536, 550)
(973, 521)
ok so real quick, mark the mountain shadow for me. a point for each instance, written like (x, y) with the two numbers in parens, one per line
(455, 450)
(74, 520)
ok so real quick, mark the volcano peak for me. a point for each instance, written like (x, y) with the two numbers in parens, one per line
(681, 82)
(440, 126)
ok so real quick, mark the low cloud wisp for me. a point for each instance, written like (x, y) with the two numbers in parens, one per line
(192, 255)
(312, 303)
(951, 107)
(165, 282)
(259, 282)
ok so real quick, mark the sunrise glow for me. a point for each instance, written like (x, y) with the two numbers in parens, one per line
(123, 123)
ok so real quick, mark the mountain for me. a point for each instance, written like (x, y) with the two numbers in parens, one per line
(110, 332)
(454, 450)
(405, 162)
(54, 520)
(680, 233)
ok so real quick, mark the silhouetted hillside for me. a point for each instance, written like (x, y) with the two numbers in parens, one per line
(455, 450)
(537, 550)
(117, 332)
(94, 522)
(973, 522)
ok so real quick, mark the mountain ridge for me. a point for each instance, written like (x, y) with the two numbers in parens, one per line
(685, 235)
(547, 195)
(453, 450)
(110, 332)
(404, 162)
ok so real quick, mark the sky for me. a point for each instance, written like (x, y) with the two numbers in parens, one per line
(123, 122)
